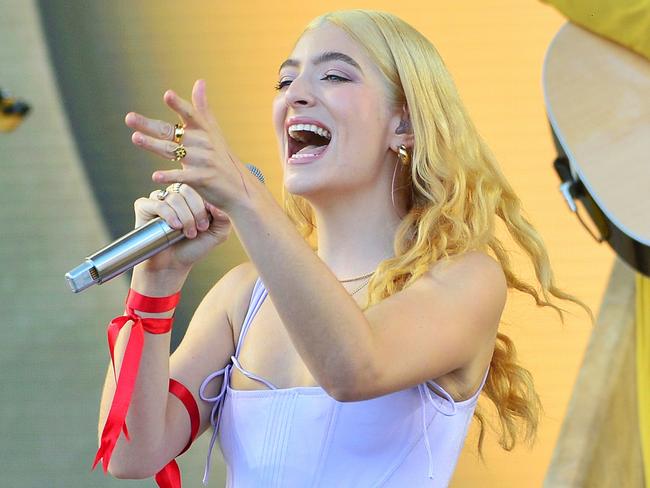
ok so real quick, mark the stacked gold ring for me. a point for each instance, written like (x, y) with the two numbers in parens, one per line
(179, 153)
(179, 130)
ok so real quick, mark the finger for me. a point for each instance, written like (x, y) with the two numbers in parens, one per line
(152, 207)
(196, 156)
(180, 205)
(172, 176)
(154, 194)
(156, 128)
(162, 130)
(200, 100)
(188, 114)
(216, 212)
(196, 206)
(194, 177)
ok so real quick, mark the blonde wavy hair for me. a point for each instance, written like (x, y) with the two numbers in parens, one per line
(456, 190)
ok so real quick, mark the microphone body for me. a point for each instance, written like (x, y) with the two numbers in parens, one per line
(129, 250)
(123, 254)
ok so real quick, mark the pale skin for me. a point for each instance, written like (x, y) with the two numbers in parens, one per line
(310, 331)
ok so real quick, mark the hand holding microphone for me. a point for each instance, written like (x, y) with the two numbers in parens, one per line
(162, 220)
(210, 180)
(201, 224)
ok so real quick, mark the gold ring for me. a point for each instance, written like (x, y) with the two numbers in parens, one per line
(179, 153)
(175, 188)
(162, 194)
(179, 130)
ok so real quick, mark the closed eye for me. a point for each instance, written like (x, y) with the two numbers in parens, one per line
(281, 84)
(335, 78)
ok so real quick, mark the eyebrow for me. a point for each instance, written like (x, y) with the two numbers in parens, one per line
(323, 58)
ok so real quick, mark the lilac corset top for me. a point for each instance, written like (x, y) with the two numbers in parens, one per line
(302, 437)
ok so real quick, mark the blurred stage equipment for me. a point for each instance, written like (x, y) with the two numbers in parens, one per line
(597, 96)
(128, 251)
(12, 111)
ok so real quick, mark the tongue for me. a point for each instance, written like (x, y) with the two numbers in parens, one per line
(312, 150)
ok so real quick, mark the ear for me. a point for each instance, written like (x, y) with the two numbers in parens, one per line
(403, 131)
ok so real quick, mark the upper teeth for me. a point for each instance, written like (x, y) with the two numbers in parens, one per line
(310, 127)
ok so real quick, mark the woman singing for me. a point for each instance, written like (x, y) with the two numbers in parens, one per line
(353, 359)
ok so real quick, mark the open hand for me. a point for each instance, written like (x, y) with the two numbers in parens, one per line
(209, 167)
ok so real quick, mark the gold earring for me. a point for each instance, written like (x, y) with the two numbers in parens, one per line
(403, 155)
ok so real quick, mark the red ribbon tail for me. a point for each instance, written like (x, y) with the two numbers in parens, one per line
(169, 476)
(98, 456)
(115, 421)
(113, 331)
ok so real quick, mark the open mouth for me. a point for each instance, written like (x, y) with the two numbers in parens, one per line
(307, 140)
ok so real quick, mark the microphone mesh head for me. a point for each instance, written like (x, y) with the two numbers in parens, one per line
(256, 171)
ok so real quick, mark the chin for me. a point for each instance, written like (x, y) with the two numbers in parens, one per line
(299, 188)
(304, 187)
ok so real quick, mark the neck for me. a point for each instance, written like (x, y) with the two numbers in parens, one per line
(356, 230)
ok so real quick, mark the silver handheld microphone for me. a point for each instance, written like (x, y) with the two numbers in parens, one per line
(129, 250)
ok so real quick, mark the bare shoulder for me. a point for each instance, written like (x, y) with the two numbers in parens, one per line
(221, 300)
(232, 290)
(241, 283)
(474, 277)
(471, 261)
(471, 270)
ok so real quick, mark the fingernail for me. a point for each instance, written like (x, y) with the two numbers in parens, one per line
(191, 233)
(177, 224)
(203, 224)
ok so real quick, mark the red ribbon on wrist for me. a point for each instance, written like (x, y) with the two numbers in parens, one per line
(116, 419)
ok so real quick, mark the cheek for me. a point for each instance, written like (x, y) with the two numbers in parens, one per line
(278, 114)
(372, 113)
(362, 119)
(360, 112)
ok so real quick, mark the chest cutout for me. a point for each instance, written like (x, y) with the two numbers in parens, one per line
(267, 351)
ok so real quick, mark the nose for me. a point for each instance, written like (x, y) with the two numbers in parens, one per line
(299, 93)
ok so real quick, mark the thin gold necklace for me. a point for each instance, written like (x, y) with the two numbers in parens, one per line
(357, 278)
(364, 284)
